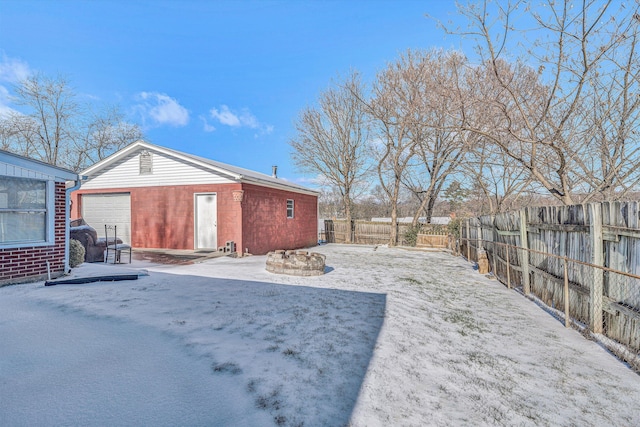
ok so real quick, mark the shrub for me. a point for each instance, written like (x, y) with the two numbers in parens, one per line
(76, 253)
(454, 226)
(411, 235)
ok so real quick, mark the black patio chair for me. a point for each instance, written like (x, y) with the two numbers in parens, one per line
(114, 245)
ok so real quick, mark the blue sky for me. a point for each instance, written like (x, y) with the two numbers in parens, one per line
(220, 79)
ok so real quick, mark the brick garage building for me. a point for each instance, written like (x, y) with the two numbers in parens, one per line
(34, 225)
(165, 199)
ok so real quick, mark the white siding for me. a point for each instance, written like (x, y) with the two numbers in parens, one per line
(7, 169)
(166, 171)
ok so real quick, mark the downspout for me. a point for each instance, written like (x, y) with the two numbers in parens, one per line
(67, 219)
(318, 225)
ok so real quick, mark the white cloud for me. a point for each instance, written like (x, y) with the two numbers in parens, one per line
(238, 119)
(225, 116)
(235, 119)
(316, 181)
(161, 109)
(5, 110)
(205, 125)
(13, 70)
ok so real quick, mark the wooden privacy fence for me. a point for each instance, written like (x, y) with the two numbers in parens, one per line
(582, 259)
(434, 239)
(379, 233)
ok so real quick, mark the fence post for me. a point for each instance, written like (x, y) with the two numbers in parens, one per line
(524, 244)
(459, 246)
(352, 231)
(468, 240)
(508, 267)
(495, 268)
(567, 322)
(493, 244)
(595, 294)
(329, 231)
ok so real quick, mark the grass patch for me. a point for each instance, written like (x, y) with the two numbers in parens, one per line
(481, 359)
(290, 352)
(411, 280)
(465, 319)
(226, 368)
(269, 401)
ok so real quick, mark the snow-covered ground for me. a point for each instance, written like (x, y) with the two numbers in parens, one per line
(386, 337)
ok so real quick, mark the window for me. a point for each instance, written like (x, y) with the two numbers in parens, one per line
(146, 163)
(289, 208)
(23, 211)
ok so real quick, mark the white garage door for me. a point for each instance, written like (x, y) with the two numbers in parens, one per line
(110, 209)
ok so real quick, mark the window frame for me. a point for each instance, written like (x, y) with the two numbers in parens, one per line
(49, 217)
(290, 209)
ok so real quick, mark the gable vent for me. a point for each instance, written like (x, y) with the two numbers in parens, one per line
(146, 163)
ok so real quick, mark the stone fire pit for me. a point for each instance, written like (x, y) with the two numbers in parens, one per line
(296, 263)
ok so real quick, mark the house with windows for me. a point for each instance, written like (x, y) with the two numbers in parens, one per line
(160, 198)
(34, 220)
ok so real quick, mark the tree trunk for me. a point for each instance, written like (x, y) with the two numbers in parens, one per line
(416, 216)
(428, 211)
(347, 214)
(393, 238)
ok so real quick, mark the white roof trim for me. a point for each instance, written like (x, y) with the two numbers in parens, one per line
(38, 166)
(284, 185)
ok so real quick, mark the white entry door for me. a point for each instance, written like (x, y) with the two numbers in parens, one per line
(206, 227)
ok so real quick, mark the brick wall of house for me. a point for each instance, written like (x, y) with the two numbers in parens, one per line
(30, 263)
(163, 216)
(265, 223)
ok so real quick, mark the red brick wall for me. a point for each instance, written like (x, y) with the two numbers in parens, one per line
(163, 217)
(24, 264)
(265, 223)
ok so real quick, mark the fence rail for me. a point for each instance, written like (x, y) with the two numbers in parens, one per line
(583, 260)
(379, 233)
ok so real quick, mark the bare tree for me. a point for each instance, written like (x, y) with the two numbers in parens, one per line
(333, 140)
(552, 102)
(55, 128)
(497, 181)
(439, 144)
(46, 131)
(396, 105)
(330, 203)
(106, 132)
(415, 110)
(612, 139)
(5, 136)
